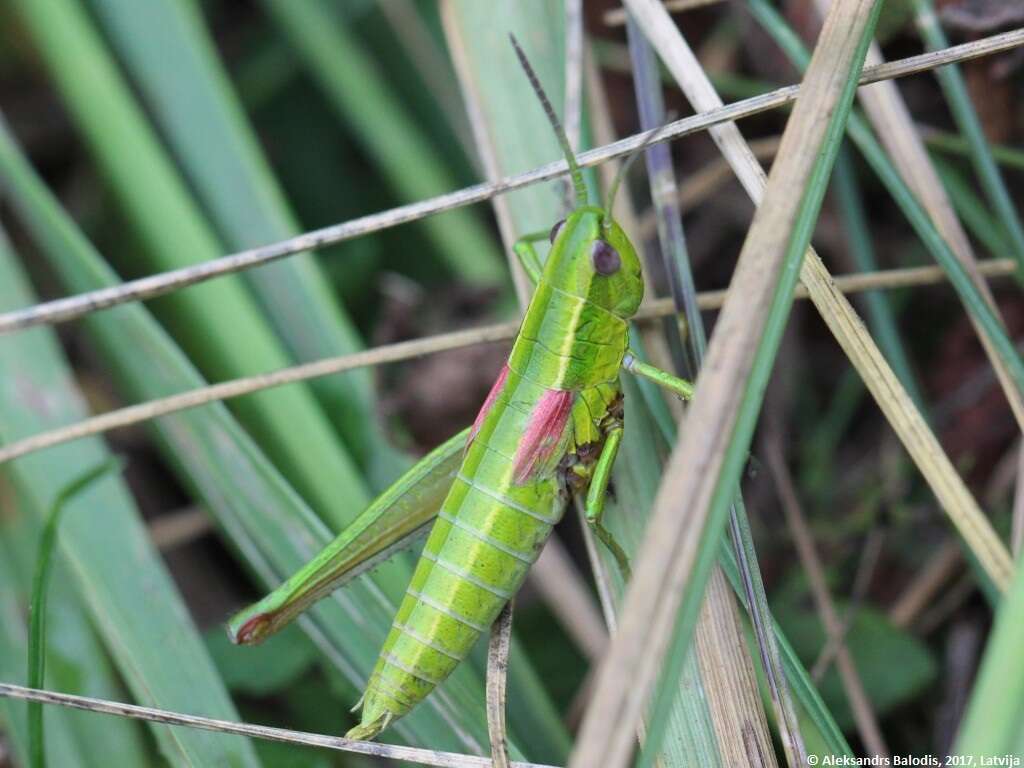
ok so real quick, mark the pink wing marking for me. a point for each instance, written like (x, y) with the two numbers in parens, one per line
(543, 433)
(252, 631)
(499, 384)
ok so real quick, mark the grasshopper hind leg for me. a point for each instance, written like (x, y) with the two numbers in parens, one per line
(596, 495)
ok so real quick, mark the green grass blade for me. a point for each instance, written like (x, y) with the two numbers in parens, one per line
(346, 73)
(168, 51)
(111, 561)
(76, 658)
(40, 595)
(967, 121)
(61, 744)
(217, 323)
(994, 723)
(264, 520)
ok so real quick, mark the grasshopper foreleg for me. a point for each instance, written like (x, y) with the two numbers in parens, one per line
(662, 378)
(527, 254)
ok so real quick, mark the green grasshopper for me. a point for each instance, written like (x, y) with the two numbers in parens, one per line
(549, 429)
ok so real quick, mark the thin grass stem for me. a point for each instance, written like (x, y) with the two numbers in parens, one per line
(301, 738)
(69, 308)
(40, 593)
(407, 350)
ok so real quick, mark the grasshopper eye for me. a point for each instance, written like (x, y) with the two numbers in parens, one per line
(605, 259)
(555, 230)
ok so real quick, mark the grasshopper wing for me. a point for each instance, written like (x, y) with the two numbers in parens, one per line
(390, 523)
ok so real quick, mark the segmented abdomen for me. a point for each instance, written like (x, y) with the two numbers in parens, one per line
(488, 533)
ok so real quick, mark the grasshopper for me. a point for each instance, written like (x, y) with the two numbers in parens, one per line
(549, 429)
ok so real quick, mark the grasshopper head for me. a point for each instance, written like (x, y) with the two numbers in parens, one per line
(592, 258)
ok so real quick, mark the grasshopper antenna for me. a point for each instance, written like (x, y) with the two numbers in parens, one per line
(613, 190)
(556, 125)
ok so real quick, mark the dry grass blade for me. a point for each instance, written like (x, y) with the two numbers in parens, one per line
(69, 308)
(736, 710)
(673, 541)
(406, 350)
(337, 743)
(616, 17)
(497, 681)
(842, 319)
